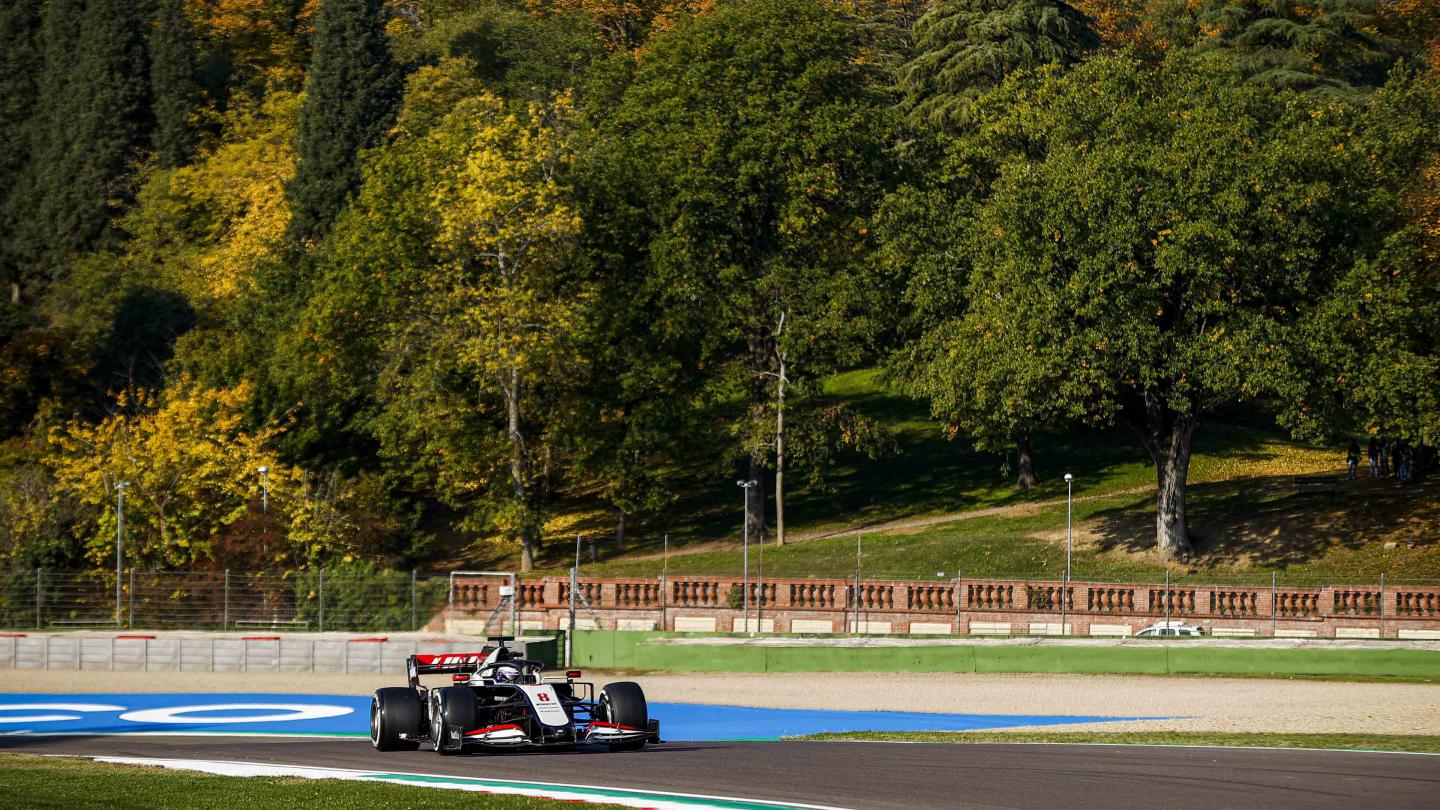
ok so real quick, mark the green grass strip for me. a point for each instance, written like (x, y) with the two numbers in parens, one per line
(64, 783)
(1405, 743)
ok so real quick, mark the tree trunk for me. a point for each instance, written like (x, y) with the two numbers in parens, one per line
(1172, 531)
(620, 532)
(1168, 435)
(15, 293)
(780, 457)
(1025, 462)
(517, 471)
(762, 354)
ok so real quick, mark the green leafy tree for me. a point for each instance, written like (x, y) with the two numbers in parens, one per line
(351, 93)
(516, 54)
(172, 84)
(451, 270)
(1157, 232)
(1376, 333)
(755, 136)
(966, 47)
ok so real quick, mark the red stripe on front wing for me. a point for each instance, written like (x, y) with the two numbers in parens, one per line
(489, 729)
(602, 724)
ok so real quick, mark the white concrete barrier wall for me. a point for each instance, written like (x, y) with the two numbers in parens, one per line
(218, 654)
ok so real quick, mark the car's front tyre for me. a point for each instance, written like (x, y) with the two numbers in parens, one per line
(395, 711)
(623, 703)
(452, 713)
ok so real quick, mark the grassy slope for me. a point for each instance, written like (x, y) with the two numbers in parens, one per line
(36, 782)
(1365, 742)
(1248, 517)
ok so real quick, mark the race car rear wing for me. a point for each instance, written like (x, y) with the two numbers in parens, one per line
(446, 663)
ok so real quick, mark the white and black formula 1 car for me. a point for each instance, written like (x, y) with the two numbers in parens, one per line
(499, 699)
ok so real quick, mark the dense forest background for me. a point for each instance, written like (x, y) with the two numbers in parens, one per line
(438, 265)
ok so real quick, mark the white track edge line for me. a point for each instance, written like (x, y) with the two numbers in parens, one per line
(645, 794)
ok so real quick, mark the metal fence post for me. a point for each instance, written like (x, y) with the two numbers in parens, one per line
(225, 614)
(39, 575)
(132, 599)
(322, 600)
(570, 634)
(414, 624)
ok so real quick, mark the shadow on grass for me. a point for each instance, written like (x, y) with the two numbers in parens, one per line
(1273, 523)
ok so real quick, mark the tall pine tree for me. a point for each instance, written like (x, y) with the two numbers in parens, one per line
(1324, 47)
(172, 84)
(20, 63)
(965, 47)
(351, 93)
(92, 121)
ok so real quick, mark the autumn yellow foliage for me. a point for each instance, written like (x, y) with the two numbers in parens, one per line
(209, 225)
(266, 38)
(625, 23)
(190, 467)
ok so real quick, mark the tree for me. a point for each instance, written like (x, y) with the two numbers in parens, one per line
(1326, 46)
(20, 63)
(190, 466)
(506, 222)
(1376, 332)
(208, 227)
(1158, 231)
(755, 137)
(249, 47)
(625, 23)
(513, 53)
(965, 47)
(451, 271)
(351, 92)
(92, 122)
(172, 84)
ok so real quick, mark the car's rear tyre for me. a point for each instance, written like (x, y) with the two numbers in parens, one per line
(623, 703)
(394, 711)
(452, 709)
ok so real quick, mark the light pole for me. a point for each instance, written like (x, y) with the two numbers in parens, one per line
(119, 541)
(1065, 590)
(745, 553)
(264, 489)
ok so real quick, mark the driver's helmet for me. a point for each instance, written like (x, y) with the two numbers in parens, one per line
(505, 675)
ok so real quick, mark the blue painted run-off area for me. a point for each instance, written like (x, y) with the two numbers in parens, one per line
(249, 713)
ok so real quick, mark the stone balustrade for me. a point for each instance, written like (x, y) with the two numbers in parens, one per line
(781, 604)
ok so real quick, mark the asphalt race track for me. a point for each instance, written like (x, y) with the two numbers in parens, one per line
(871, 775)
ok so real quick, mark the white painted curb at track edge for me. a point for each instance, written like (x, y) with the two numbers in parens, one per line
(594, 794)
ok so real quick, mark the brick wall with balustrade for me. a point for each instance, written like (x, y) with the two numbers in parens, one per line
(974, 606)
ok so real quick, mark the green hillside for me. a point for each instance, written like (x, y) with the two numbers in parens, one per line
(937, 508)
